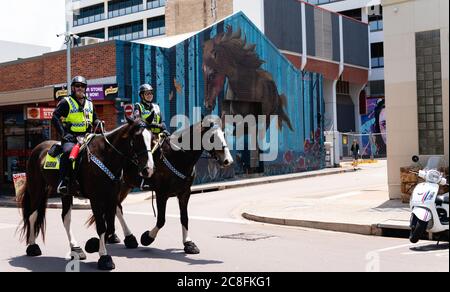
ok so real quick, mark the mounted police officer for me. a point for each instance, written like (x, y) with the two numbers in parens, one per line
(74, 116)
(149, 111)
(151, 114)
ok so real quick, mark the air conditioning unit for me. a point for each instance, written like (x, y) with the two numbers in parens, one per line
(85, 41)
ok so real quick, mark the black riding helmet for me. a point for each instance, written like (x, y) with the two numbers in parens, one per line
(79, 80)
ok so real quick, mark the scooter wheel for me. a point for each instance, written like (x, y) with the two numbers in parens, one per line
(417, 230)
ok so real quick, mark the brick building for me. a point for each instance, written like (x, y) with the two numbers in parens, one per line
(29, 91)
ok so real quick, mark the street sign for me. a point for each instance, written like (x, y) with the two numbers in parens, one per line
(128, 110)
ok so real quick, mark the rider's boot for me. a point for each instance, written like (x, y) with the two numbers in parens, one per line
(64, 179)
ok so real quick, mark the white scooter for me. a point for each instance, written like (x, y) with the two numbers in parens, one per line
(429, 210)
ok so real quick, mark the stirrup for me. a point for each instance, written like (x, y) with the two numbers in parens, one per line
(144, 186)
(63, 189)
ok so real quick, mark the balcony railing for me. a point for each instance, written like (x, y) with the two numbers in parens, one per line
(376, 25)
(120, 12)
(378, 62)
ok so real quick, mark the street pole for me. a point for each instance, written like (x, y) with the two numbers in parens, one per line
(69, 44)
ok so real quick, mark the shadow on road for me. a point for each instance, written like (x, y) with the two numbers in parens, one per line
(155, 253)
(430, 247)
(48, 264)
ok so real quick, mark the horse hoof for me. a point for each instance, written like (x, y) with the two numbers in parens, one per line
(77, 253)
(146, 239)
(105, 263)
(34, 250)
(131, 242)
(113, 239)
(191, 248)
(92, 245)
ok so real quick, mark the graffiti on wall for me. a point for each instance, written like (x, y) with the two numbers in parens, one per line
(231, 68)
(374, 124)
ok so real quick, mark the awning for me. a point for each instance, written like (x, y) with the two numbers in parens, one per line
(25, 96)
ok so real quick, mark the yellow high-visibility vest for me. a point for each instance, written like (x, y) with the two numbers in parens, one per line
(79, 118)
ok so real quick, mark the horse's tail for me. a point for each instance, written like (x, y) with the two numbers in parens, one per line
(282, 116)
(35, 207)
(33, 200)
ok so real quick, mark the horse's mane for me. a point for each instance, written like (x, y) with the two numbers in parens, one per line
(231, 45)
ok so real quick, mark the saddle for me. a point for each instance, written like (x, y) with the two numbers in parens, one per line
(52, 160)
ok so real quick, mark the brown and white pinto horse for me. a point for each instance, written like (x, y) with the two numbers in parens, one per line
(125, 149)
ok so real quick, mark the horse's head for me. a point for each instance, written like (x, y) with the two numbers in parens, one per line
(139, 151)
(214, 142)
(223, 57)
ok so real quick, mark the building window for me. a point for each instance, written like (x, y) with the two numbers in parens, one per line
(429, 93)
(354, 13)
(376, 19)
(152, 4)
(118, 8)
(127, 32)
(156, 26)
(377, 57)
(100, 34)
(89, 14)
(319, 2)
(343, 87)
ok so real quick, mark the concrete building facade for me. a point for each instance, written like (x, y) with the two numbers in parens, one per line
(417, 92)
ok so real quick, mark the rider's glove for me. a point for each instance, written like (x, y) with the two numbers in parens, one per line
(69, 137)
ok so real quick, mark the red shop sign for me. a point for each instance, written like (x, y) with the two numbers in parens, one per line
(39, 113)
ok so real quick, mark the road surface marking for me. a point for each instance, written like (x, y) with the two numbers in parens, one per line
(393, 248)
(341, 196)
(200, 218)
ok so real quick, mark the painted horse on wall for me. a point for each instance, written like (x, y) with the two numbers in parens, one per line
(251, 90)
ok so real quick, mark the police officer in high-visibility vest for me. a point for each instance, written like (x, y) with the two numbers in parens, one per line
(74, 116)
(149, 111)
(151, 114)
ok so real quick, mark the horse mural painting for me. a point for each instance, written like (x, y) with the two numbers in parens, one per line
(251, 90)
(105, 158)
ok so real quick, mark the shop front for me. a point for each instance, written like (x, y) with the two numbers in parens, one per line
(25, 122)
(23, 129)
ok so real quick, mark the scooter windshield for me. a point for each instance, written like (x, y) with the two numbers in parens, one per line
(435, 162)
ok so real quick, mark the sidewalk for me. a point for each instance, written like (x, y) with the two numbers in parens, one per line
(366, 212)
(137, 197)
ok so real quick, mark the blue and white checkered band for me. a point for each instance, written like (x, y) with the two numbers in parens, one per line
(102, 167)
(74, 106)
(173, 169)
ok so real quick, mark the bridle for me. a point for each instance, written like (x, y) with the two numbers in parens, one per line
(134, 160)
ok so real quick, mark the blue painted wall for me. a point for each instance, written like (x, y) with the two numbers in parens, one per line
(177, 77)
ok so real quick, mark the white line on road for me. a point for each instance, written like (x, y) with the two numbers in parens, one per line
(341, 196)
(393, 248)
(200, 218)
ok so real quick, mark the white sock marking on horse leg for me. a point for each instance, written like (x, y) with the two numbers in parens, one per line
(67, 226)
(186, 237)
(32, 219)
(154, 232)
(126, 230)
(148, 143)
(102, 250)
